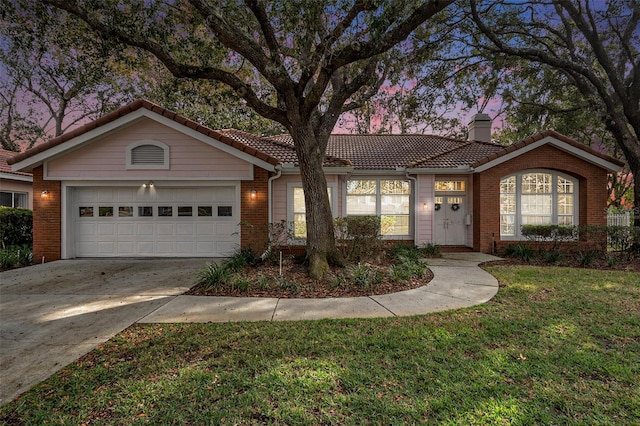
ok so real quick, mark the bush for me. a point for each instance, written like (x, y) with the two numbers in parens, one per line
(15, 257)
(16, 226)
(215, 275)
(358, 236)
(586, 258)
(523, 252)
(364, 276)
(430, 250)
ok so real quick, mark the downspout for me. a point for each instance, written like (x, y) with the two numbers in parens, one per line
(278, 169)
(415, 205)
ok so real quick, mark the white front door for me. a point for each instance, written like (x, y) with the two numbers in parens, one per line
(450, 213)
(155, 222)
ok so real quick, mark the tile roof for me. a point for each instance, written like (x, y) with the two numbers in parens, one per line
(363, 152)
(4, 165)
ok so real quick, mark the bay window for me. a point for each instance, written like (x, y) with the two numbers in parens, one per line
(536, 198)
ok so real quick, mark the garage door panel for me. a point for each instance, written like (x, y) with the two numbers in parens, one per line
(164, 247)
(106, 229)
(106, 248)
(88, 230)
(184, 229)
(144, 232)
(165, 229)
(125, 229)
(145, 229)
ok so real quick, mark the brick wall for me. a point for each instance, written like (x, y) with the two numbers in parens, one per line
(254, 211)
(47, 229)
(592, 181)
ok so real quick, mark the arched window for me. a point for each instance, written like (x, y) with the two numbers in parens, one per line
(148, 155)
(537, 197)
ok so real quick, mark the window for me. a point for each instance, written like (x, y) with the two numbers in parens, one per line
(85, 211)
(185, 211)
(14, 199)
(105, 211)
(536, 198)
(148, 155)
(225, 211)
(387, 198)
(165, 211)
(297, 210)
(125, 211)
(205, 211)
(450, 185)
(145, 211)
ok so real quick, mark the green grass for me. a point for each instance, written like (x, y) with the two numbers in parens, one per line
(555, 346)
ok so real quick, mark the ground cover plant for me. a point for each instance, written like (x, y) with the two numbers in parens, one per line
(554, 346)
(382, 271)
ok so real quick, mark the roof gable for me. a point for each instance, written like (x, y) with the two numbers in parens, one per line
(128, 115)
(554, 138)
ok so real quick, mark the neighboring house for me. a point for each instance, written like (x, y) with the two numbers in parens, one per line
(144, 181)
(15, 187)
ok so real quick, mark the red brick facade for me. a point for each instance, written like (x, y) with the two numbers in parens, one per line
(254, 211)
(592, 181)
(47, 229)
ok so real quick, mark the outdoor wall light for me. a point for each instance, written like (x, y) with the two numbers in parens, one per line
(253, 193)
(425, 206)
(148, 185)
(45, 193)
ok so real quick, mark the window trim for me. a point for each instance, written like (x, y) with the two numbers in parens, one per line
(165, 164)
(290, 212)
(554, 200)
(378, 195)
(13, 198)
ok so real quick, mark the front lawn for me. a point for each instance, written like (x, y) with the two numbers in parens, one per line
(555, 346)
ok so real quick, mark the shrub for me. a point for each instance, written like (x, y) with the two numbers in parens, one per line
(404, 252)
(551, 256)
(523, 252)
(586, 257)
(364, 276)
(15, 257)
(430, 250)
(16, 226)
(358, 236)
(215, 275)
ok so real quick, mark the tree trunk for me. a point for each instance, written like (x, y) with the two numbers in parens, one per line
(321, 243)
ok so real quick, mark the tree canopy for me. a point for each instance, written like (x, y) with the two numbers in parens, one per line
(301, 64)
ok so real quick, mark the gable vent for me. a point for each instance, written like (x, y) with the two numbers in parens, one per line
(147, 154)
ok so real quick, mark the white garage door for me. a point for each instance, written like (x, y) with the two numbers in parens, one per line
(156, 221)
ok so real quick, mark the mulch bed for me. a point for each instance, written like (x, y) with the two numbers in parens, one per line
(306, 287)
(299, 285)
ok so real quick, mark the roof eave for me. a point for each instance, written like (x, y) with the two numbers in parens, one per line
(440, 170)
(554, 139)
(14, 176)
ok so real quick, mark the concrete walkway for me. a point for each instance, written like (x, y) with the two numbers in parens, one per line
(52, 314)
(457, 283)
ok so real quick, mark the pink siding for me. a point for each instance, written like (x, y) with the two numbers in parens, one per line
(424, 222)
(189, 158)
(18, 186)
(280, 200)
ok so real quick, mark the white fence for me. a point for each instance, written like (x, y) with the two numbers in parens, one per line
(619, 219)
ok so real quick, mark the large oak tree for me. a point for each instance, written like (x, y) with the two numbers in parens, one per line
(594, 45)
(301, 64)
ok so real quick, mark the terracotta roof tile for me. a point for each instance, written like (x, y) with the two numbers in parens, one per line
(372, 152)
(4, 165)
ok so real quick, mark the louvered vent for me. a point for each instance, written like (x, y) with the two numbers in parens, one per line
(147, 154)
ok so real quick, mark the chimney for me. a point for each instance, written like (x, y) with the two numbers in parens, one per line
(480, 128)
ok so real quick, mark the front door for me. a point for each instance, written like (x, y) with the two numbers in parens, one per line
(450, 227)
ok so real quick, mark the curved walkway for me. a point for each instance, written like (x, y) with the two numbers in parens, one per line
(52, 314)
(457, 282)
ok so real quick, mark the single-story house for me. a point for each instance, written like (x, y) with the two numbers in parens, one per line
(15, 186)
(145, 181)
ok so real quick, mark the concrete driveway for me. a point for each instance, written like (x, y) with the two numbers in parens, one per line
(54, 313)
